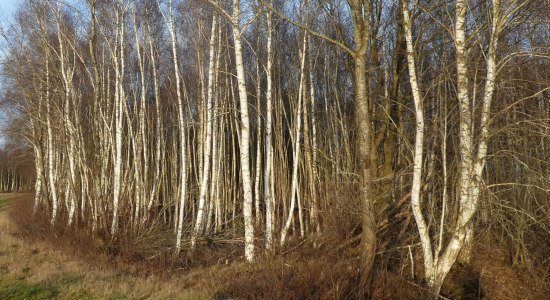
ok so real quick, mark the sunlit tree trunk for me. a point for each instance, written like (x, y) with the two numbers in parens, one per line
(38, 156)
(471, 160)
(363, 140)
(199, 223)
(418, 150)
(244, 144)
(158, 126)
(50, 146)
(269, 160)
(118, 118)
(297, 144)
(182, 133)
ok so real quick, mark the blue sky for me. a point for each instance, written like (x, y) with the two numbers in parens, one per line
(7, 8)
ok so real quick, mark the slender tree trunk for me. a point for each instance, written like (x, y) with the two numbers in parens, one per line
(199, 223)
(244, 144)
(269, 161)
(418, 151)
(182, 134)
(363, 141)
(158, 127)
(119, 102)
(51, 154)
(297, 144)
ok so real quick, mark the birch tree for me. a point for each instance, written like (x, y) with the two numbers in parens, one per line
(182, 183)
(137, 116)
(472, 159)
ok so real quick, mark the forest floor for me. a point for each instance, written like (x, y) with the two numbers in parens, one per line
(35, 270)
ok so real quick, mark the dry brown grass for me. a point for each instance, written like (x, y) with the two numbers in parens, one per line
(317, 268)
(501, 280)
(321, 267)
(40, 260)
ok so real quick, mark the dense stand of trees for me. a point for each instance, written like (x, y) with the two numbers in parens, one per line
(392, 123)
(16, 170)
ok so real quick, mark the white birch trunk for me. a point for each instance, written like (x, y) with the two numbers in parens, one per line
(38, 157)
(416, 204)
(50, 148)
(118, 107)
(315, 179)
(269, 176)
(67, 85)
(141, 143)
(437, 268)
(244, 144)
(258, 144)
(158, 124)
(296, 152)
(182, 134)
(199, 223)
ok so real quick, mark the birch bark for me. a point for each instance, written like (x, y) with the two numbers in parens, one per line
(269, 176)
(472, 159)
(182, 133)
(244, 144)
(199, 224)
(296, 151)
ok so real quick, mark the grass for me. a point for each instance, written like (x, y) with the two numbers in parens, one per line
(61, 287)
(19, 289)
(45, 268)
(7, 198)
(39, 262)
(4, 202)
(35, 272)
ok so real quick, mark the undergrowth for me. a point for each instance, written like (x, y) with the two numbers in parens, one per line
(322, 267)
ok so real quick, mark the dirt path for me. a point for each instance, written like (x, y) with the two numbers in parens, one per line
(37, 271)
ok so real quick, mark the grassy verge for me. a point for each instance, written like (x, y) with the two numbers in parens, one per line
(64, 287)
(30, 271)
(4, 202)
(8, 198)
(19, 289)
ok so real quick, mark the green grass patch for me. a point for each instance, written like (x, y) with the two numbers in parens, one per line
(4, 202)
(19, 289)
(62, 287)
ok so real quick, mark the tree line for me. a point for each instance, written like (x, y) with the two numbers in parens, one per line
(397, 124)
(16, 170)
